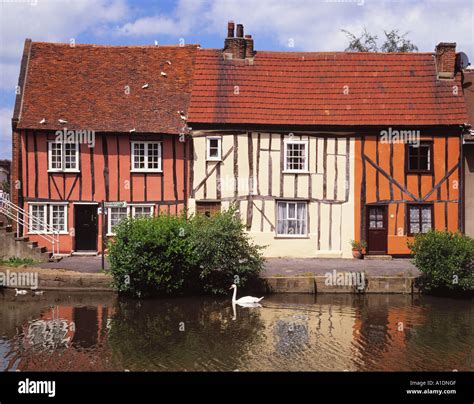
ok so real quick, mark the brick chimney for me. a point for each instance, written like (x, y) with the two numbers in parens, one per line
(248, 47)
(445, 59)
(237, 46)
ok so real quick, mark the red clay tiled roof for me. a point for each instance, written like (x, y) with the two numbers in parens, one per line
(85, 85)
(283, 88)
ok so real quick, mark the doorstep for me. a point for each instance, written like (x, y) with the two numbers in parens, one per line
(378, 257)
(85, 253)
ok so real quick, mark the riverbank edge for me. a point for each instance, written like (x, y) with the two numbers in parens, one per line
(61, 279)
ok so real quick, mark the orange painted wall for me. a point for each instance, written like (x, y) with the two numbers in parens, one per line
(166, 190)
(445, 200)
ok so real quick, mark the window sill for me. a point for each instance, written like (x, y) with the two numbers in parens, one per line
(296, 172)
(47, 233)
(414, 172)
(288, 236)
(146, 171)
(214, 160)
(64, 171)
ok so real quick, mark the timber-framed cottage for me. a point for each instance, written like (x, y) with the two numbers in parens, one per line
(315, 148)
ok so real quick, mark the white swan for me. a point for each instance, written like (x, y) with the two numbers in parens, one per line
(246, 300)
(20, 292)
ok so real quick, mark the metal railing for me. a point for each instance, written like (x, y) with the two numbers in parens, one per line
(22, 218)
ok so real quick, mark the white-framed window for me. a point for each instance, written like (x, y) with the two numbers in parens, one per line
(114, 216)
(214, 148)
(146, 156)
(58, 218)
(46, 218)
(292, 218)
(296, 156)
(63, 156)
(38, 218)
(142, 211)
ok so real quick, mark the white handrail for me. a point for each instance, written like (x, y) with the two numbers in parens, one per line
(22, 218)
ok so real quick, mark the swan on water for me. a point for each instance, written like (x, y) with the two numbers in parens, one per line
(243, 300)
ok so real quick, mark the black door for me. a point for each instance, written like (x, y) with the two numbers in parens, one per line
(85, 225)
(377, 229)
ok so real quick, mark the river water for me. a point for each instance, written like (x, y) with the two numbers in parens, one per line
(98, 331)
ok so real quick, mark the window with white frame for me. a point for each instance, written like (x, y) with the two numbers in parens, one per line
(115, 215)
(58, 218)
(213, 148)
(291, 218)
(142, 211)
(46, 218)
(146, 156)
(296, 156)
(63, 156)
(38, 219)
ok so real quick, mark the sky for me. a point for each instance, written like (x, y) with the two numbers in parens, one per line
(285, 25)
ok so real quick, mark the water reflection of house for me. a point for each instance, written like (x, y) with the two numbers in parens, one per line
(48, 347)
(382, 330)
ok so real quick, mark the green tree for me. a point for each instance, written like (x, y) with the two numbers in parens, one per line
(366, 42)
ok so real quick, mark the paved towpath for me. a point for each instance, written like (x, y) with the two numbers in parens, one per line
(306, 266)
(274, 266)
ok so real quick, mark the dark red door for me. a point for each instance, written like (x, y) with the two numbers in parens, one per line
(377, 228)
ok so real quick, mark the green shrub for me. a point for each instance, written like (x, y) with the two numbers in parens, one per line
(224, 252)
(151, 256)
(169, 255)
(446, 260)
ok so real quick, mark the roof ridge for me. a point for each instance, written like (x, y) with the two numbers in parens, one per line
(76, 45)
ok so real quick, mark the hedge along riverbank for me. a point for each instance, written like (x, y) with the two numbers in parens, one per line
(446, 260)
(172, 255)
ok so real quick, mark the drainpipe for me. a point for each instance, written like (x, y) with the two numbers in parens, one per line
(185, 175)
(462, 216)
(103, 234)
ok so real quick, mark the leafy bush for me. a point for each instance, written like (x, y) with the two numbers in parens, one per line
(151, 256)
(446, 260)
(224, 252)
(169, 255)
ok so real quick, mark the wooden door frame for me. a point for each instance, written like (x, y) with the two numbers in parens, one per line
(90, 205)
(367, 218)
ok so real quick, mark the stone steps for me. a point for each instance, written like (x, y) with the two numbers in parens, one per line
(21, 247)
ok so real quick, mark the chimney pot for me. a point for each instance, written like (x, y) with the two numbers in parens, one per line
(240, 31)
(230, 29)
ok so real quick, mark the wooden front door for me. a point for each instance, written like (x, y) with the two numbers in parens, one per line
(85, 226)
(377, 229)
